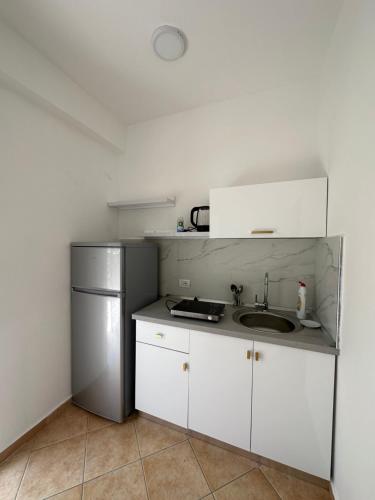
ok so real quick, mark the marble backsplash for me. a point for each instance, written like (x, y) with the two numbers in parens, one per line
(327, 284)
(213, 265)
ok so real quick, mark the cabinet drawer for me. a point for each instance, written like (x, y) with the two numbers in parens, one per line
(170, 337)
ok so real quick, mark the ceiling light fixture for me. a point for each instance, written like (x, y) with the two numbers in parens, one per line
(169, 43)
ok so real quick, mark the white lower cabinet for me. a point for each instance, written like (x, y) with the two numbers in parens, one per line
(274, 401)
(220, 387)
(162, 380)
(293, 392)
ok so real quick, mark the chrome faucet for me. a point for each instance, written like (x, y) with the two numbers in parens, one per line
(263, 305)
(236, 290)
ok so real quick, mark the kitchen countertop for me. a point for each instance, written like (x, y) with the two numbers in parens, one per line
(308, 338)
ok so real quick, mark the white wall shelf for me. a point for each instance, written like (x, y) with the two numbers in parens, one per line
(174, 235)
(136, 205)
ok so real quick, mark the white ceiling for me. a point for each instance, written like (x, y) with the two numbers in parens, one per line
(235, 47)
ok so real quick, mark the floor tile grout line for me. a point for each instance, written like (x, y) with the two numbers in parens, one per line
(53, 443)
(71, 437)
(235, 479)
(86, 432)
(59, 441)
(70, 487)
(212, 492)
(272, 486)
(67, 418)
(16, 451)
(112, 470)
(243, 474)
(23, 474)
(85, 455)
(83, 473)
(200, 466)
(139, 451)
(163, 449)
(63, 491)
(32, 438)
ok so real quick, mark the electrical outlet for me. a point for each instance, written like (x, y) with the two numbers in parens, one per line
(183, 283)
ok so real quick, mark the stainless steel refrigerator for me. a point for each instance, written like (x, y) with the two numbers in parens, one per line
(109, 282)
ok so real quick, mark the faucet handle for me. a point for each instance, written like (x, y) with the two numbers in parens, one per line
(256, 298)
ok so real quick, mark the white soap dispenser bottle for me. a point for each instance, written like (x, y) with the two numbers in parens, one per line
(301, 304)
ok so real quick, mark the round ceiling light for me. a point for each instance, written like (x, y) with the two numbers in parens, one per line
(169, 43)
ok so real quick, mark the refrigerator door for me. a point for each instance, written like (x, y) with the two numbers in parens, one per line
(97, 268)
(97, 354)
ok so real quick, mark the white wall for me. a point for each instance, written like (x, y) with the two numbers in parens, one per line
(347, 134)
(260, 137)
(25, 69)
(54, 184)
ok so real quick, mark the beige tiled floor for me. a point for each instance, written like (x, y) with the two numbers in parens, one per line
(79, 455)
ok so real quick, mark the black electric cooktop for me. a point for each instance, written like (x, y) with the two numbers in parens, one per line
(210, 311)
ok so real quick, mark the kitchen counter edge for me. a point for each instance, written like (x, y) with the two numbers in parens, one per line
(308, 339)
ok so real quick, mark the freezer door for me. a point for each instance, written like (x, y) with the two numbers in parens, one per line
(97, 268)
(97, 354)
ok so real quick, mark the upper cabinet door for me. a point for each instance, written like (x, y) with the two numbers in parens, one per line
(292, 412)
(293, 209)
(220, 387)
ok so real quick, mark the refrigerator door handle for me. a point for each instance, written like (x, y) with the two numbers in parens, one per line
(105, 293)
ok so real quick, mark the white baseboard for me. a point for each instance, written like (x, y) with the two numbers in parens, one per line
(334, 492)
(38, 422)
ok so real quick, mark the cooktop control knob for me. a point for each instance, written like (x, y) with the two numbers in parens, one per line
(210, 318)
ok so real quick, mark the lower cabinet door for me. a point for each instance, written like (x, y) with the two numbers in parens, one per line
(161, 384)
(293, 392)
(220, 387)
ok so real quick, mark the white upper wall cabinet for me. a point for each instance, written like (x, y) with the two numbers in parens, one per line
(292, 209)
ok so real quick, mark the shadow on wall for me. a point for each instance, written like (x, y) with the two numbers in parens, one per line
(264, 173)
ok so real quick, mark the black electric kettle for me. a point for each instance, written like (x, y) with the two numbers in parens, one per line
(200, 218)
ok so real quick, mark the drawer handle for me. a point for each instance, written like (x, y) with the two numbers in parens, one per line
(185, 367)
(159, 335)
(257, 356)
(263, 231)
(248, 354)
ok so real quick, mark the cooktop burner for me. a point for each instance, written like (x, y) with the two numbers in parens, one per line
(210, 311)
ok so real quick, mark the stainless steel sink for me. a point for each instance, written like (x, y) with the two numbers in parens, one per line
(266, 321)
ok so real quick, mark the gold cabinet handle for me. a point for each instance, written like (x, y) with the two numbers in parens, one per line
(262, 231)
(257, 356)
(159, 335)
(248, 354)
(185, 367)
